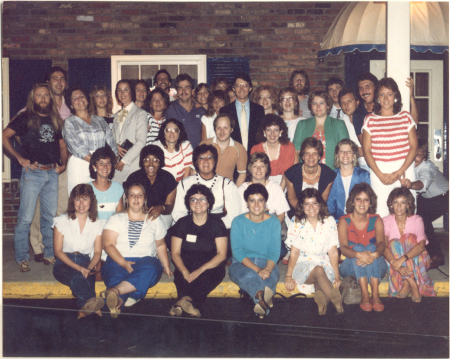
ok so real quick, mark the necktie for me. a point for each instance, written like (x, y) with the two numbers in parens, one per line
(123, 115)
(338, 113)
(244, 128)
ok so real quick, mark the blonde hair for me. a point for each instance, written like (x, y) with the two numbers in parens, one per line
(93, 106)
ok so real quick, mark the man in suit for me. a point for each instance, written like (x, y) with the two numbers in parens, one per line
(130, 123)
(247, 115)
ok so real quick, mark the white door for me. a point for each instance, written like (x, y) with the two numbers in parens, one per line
(6, 163)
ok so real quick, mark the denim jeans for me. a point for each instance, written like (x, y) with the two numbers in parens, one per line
(249, 280)
(36, 183)
(377, 269)
(82, 288)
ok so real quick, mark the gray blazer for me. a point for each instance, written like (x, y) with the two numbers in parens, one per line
(134, 129)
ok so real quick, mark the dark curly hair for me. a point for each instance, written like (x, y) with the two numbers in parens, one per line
(199, 189)
(311, 142)
(402, 192)
(306, 194)
(357, 189)
(272, 120)
(200, 150)
(127, 193)
(322, 94)
(102, 153)
(390, 84)
(82, 190)
(68, 96)
(256, 188)
(258, 156)
(154, 151)
(183, 134)
(294, 94)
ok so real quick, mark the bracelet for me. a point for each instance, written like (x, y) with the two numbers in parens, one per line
(164, 208)
(89, 269)
(406, 256)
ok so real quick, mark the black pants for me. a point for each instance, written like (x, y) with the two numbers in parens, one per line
(431, 209)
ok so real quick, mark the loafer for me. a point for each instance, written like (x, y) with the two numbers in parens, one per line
(39, 257)
(48, 261)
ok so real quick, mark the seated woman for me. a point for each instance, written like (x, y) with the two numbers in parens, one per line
(273, 140)
(160, 186)
(267, 97)
(172, 139)
(347, 175)
(313, 240)
(405, 248)
(77, 235)
(361, 238)
(199, 249)
(136, 249)
(255, 244)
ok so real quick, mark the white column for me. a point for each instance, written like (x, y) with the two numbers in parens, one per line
(398, 40)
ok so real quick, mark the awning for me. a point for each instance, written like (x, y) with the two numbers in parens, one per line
(362, 26)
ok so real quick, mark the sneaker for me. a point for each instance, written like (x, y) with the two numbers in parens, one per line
(24, 267)
(130, 302)
(48, 261)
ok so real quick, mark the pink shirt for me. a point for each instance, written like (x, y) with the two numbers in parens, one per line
(414, 225)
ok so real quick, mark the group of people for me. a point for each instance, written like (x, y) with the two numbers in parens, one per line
(221, 175)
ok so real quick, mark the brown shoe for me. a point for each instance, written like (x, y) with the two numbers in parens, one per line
(48, 261)
(39, 257)
(437, 261)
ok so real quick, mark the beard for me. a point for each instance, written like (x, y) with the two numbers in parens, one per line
(43, 109)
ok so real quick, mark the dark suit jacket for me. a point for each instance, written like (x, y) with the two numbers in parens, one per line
(256, 116)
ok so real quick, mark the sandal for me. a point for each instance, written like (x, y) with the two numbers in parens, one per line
(259, 310)
(268, 295)
(416, 299)
(176, 311)
(321, 302)
(336, 299)
(113, 301)
(377, 307)
(189, 308)
(91, 306)
(24, 266)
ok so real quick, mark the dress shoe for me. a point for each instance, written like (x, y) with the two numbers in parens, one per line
(48, 261)
(39, 257)
(437, 261)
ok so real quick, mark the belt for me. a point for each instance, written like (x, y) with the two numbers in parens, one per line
(76, 253)
(46, 167)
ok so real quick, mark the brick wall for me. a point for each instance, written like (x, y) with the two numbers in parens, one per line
(278, 37)
(10, 206)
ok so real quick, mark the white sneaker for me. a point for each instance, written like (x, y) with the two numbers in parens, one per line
(130, 302)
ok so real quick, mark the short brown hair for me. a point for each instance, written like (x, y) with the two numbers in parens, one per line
(321, 94)
(311, 142)
(222, 115)
(82, 190)
(311, 193)
(423, 145)
(357, 189)
(402, 192)
(272, 120)
(258, 156)
(256, 96)
(353, 145)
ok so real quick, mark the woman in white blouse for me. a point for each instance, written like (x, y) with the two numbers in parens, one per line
(137, 254)
(313, 239)
(77, 234)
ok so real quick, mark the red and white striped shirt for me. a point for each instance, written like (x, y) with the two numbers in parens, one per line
(389, 135)
(176, 162)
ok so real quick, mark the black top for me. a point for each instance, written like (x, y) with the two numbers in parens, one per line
(156, 192)
(40, 145)
(358, 117)
(199, 242)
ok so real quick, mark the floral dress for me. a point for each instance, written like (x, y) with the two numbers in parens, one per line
(314, 246)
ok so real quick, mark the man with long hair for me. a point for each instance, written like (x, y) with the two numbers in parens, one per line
(43, 157)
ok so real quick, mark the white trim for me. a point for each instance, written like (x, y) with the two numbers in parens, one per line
(6, 164)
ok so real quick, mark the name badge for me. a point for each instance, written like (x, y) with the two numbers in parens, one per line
(191, 238)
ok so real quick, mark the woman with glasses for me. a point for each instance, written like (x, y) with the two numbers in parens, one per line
(199, 248)
(266, 96)
(177, 149)
(160, 185)
(289, 109)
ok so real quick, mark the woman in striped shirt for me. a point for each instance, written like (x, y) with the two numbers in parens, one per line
(389, 142)
(177, 149)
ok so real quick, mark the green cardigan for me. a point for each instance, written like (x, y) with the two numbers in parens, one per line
(335, 131)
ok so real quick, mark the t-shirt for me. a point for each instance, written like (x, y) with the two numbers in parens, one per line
(155, 126)
(346, 182)
(198, 242)
(38, 145)
(176, 162)
(108, 200)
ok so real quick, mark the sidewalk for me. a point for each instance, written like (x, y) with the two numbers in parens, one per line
(39, 283)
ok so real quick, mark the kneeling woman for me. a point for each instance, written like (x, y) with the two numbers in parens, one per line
(313, 239)
(405, 248)
(361, 237)
(77, 235)
(255, 243)
(136, 249)
(199, 249)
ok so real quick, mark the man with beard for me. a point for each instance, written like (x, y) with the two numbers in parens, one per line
(163, 81)
(43, 157)
(300, 82)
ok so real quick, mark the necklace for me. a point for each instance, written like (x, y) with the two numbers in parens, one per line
(266, 149)
(214, 182)
(304, 173)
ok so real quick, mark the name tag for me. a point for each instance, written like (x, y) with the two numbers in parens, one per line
(191, 238)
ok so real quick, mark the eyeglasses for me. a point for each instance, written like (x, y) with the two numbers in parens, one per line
(173, 130)
(286, 99)
(239, 86)
(147, 160)
(206, 158)
(201, 200)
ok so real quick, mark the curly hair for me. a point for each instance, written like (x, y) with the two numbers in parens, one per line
(80, 191)
(256, 95)
(311, 142)
(183, 134)
(202, 149)
(68, 96)
(272, 120)
(93, 106)
(199, 189)
(390, 84)
(222, 95)
(163, 94)
(256, 188)
(154, 151)
(285, 91)
(307, 194)
(102, 153)
(258, 156)
(305, 75)
(402, 192)
(127, 193)
(353, 145)
(356, 190)
(217, 81)
(322, 94)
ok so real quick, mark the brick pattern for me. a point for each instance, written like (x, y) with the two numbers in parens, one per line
(278, 37)
(11, 201)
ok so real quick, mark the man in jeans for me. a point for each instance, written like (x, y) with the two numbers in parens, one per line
(43, 157)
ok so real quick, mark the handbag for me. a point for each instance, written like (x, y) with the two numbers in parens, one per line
(350, 290)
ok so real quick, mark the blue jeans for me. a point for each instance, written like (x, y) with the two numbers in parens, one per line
(377, 269)
(82, 288)
(250, 281)
(36, 183)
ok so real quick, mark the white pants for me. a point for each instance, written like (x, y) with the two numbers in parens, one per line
(77, 172)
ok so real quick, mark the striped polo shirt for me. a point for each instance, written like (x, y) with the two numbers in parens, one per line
(389, 135)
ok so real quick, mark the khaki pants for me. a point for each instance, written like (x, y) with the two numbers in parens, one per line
(63, 201)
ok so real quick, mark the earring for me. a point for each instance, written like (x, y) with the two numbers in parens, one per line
(279, 136)
(265, 135)
(395, 100)
(95, 170)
